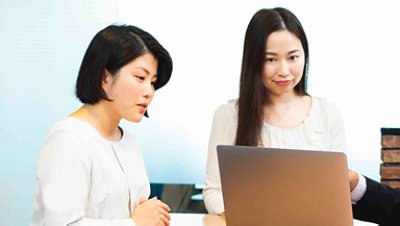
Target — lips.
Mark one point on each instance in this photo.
(143, 106)
(283, 82)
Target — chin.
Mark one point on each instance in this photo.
(135, 119)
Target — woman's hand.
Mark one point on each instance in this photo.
(151, 212)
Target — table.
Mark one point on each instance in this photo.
(194, 219)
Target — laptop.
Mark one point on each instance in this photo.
(284, 187)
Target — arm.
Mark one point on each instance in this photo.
(223, 132)
(380, 204)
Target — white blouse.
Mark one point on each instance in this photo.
(84, 179)
(321, 130)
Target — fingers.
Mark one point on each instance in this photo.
(164, 213)
(163, 210)
(151, 212)
(159, 210)
(160, 204)
(165, 219)
(164, 206)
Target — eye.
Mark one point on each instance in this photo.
(293, 57)
(139, 77)
(269, 59)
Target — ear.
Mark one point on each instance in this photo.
(106, 79)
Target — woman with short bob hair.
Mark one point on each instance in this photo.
(91, 171)
(111, 49)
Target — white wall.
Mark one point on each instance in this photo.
(354, 50)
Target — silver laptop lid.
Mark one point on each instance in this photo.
(267, 186)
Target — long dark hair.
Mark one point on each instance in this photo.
(253, 95)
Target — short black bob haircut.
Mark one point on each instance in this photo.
(111, 49)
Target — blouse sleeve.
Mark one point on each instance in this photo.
(337, 131)
(63, 184)
(223, 132)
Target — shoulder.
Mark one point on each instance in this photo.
(70, 136)
(72, 128)
(226, 114)
(67, 143)
(67, 128)
(324, 107)
(229, 108)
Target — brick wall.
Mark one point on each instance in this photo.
(390, 155)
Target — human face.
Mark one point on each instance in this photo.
(284, 62)
(131, 89)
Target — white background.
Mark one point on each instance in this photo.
(354, 50)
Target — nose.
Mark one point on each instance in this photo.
(283, 69)
(148, 90)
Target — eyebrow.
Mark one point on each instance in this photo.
(143, 69)
(290, 52)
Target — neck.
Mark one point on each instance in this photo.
(287, 111)
(282, 99)
(99, 116)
